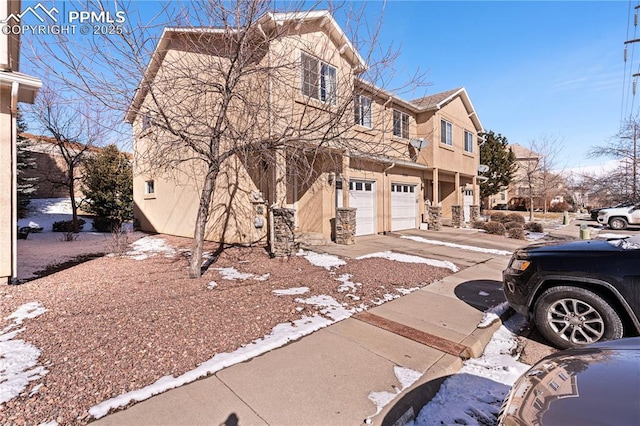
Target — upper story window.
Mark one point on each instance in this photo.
(146, 121)
(149, 187)
(446, 133)
(468, 141)
(400, 124)
(318, 79)
(362, 107)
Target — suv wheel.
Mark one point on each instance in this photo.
(618, 223)
(571, 317)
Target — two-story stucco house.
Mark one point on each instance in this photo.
(387, 157)
(14, 87)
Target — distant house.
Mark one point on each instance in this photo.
(15, 87)
(50, 167)
(426, 150)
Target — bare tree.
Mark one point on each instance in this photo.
(222, 90)
(74, 135)
(623, 147)
(549, 174)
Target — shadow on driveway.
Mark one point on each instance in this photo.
(480, 294)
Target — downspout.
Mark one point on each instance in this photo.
(14, 184)
(384, 203)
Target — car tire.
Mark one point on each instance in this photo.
(618, 223)
(570, 317)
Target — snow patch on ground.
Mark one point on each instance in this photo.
(18, 358)
(406, 258)
(606, 236)
(535, 236)
(233, 274)
(212, 285)
(291, 291)
(150, 246)
(458, 246)
(493, 314)
(43, 212)
(324, 260)
(347, 284)
(405, 376)
(280, 335)
(474, 395)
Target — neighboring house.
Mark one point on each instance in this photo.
(405, 155)
(14, 87)
(50, 168)
(516, 196)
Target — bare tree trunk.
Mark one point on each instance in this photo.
(195, 267)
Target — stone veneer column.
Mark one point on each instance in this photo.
(456, 216)
(474, 213)
(283, 243)
(435, 218)
(345, 225)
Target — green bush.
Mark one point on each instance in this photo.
(514, 217)
(106, 224)
(495, 228)
(534, 227)
(516, 233)
(67, 225)
(497, 216)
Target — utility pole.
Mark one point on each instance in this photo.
(634, 159)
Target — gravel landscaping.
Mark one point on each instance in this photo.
(116, 324)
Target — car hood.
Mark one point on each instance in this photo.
(598, 384)
(573, 246)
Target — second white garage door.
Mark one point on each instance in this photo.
(362, 197)
(403, 206)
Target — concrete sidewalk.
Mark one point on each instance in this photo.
(328, 377)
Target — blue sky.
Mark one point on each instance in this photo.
(532, 69)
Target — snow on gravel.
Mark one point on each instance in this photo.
(18, 359)
(535, 236)
(458, 246)
(233, 274)
(474, 395)
(291, 291)
(324, 260)
(150, 246)
(280, 336)
(406, 258)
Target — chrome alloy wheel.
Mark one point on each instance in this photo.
(575, 321)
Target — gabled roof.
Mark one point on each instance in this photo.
(439, 100)
(523, 153)
(266, 22)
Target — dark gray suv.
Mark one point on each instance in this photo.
(579, 292)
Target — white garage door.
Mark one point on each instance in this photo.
(403, 206)
(362, 197)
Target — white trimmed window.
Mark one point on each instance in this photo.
(318, 79)
(362, 111)
(400, 124)
(468, 141)
(446, 133)
(149, 187)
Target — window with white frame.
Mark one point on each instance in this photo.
(149, 187)
(362, 111)
(318, 79)
(446, 133)
(400, 124)
(468, 141)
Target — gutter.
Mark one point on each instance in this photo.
(384, 199)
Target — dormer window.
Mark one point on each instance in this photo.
(318, 79)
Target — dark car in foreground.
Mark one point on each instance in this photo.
(579, 292)
(593, 385)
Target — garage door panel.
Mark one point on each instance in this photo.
(362, 197)
(403, 206)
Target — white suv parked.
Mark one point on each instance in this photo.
(621, 217)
